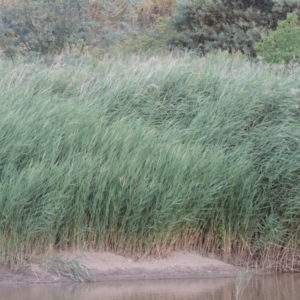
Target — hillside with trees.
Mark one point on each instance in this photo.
(204, 26)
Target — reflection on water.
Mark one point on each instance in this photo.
(275, 287)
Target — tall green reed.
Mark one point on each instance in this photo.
(148, 155)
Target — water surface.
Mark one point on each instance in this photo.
(271, 287)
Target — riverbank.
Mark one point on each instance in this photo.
(111, 267)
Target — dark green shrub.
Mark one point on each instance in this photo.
(208, 25)
(45, 27)
(283, 45)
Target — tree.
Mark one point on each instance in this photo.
(233, 25)
(282, 45)
(45, 26)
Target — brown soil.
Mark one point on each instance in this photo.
(107, 266)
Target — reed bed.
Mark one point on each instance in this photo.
(142, 156)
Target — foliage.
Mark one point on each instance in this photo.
(283, 45)
(45, 27)
(208, 25)
(150, 40)
(150, 19)
(149, 11)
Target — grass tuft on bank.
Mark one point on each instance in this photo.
(148, 155)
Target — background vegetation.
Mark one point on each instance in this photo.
(138, 148)
(282, 45)
(52, 27)
(208, 25)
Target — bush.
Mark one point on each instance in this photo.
(208, 25)
(149, 11)
(283, 45)
(45, 27)
(150, 18)
(150, 40)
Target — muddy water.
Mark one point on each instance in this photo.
(275, 287)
